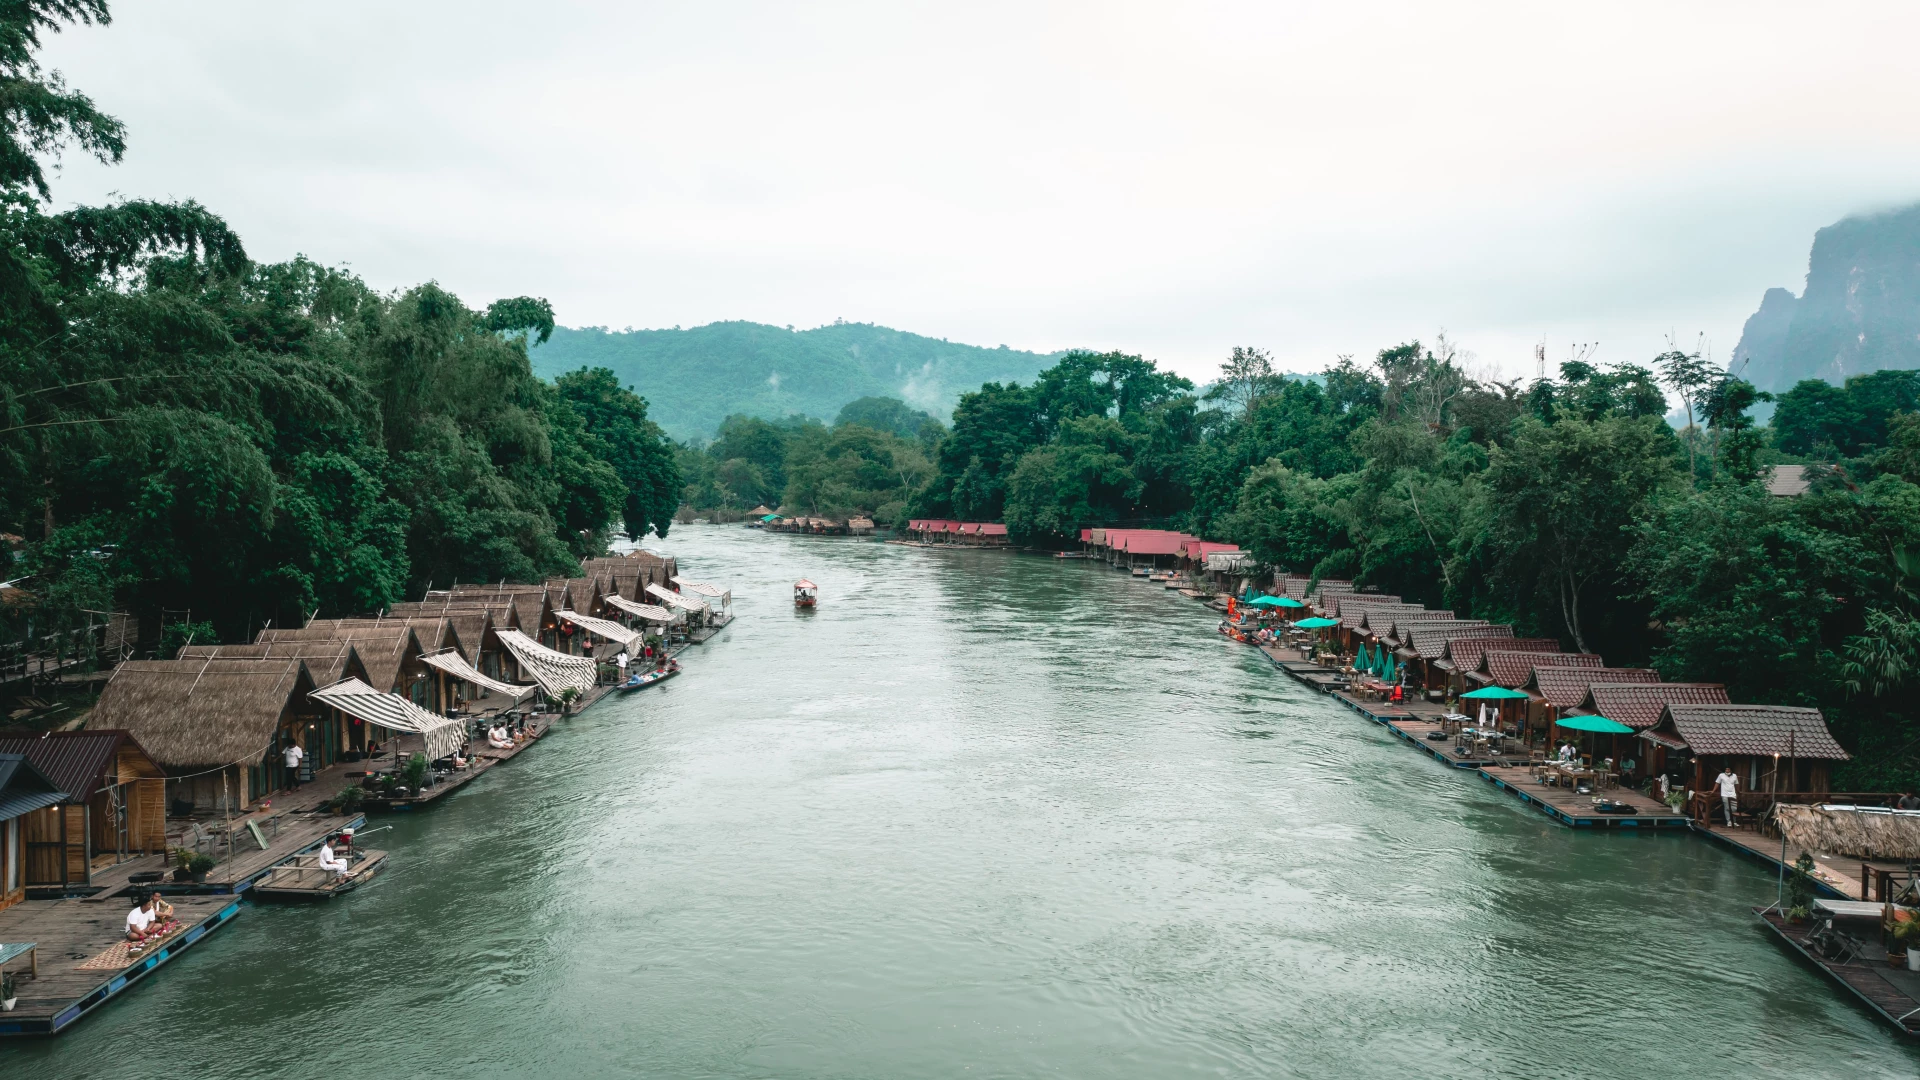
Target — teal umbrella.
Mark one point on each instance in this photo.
(1288, 601)
(1390, 672)
(1598, 724)
(1496, 693)
(1265, 601)
(1316, 623)
(1364, 661)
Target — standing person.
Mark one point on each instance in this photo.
(1909, 801)
(294, 756)
(620, 661)
(1729, 786)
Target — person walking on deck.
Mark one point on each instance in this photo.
(1729, 786)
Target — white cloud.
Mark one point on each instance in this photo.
(1172, 179)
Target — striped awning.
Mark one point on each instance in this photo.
(605, 628)
(554, 671)
(725, 596)
(443, 734)
(451, 662)
(649, 612)
(674, 599)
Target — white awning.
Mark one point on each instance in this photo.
(649, 612)
(674, 599)
(605, 628)
(725, 596)
(1228, 561)
(451, 662)
(554, 671)
(443, 734)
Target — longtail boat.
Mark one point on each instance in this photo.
(805, 594)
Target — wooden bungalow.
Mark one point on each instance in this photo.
(333, 737)
(625, 577)
(1514, 668)
(115, 805)
(859, 526)
(477, 624)
(216, 727)
(1773, 749)
(1640, 704)
(1426, 642)
(24, 791)
(668, 565)
(1464, 656)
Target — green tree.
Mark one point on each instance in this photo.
(640, 453)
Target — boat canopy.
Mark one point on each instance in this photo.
(451, 662)
(442, 734)
(606, 628)
(803, 583)
(649, 612)
(554, 671)
(674, 599)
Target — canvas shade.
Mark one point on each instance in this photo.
(649, 612)
(443, 734)
(674, 599)
(606, 628)
(1316, 623)
(725, 596)
(1599, 724)
(1498, 693)
(554, 671)
(451, 662)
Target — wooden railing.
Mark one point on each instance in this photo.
(1755, 805)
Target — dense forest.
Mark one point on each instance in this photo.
(190, 433)
(699, 376)
(1570, 507)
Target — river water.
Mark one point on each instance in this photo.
(987, 815)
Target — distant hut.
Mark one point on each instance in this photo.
(860, 526)
(115, 804)
(216, 727)
(24, 790)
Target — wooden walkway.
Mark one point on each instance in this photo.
(288, 834)
(1892, 992)
(74, 932)
(1573, 809)
(1838, 876)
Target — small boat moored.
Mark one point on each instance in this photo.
(805, 594)
(648, 678)
(302, 878)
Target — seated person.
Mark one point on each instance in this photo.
(144, 924)
(497, 738)
(330, 861)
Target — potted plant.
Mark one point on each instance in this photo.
(567, 697)
(190, 865)
(1907, 932)
(415, 773)
(9, 992)
(348, 801)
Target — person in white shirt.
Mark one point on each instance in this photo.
(1729, 786)
(293, 757)
(330, 861)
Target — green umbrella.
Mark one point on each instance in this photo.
(1264, 601)
(1594, 723)
(1364, 661)
(1316, 623)
(1390, 672)
(1496, 693)
(1288, 601)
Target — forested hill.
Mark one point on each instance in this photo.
(694, 378)
(1860, 312)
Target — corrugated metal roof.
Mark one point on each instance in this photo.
(24, 789)
(78, 762)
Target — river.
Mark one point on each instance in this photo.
(987, 815)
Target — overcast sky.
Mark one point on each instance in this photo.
(1171, 179)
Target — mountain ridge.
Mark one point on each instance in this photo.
(694, 378)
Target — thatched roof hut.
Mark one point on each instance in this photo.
(389, 653)
(201, 711)
(1856, 832)
(328, 661)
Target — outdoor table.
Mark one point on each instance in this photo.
(11, 949)
(1850, 909)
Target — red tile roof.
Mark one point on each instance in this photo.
(1751, 730)
(1464, 653)
(1638, 705)
(1086, 535)
(1566, 685)
(993, 528)
(1401, 626)
(1514, 669)
(1429, 641)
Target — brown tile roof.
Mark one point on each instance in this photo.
(1374, 616)
(1513, 668)
(1638, 705)
(1464, 653)
(1430, 640)
(1757, 730)
(1566, 685)
(1401, 625)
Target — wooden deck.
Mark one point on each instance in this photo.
(1570, 808)
(73, 932)
(301, 878)
(288, 834)
(1838, 876)
(1893, 993)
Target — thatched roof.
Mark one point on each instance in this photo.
(434, 631)
(328, 660)
(200, 711)
(628, 577)
(381, 649)
(1858, 834)
(529, 601)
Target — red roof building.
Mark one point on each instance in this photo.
(1565, 685)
